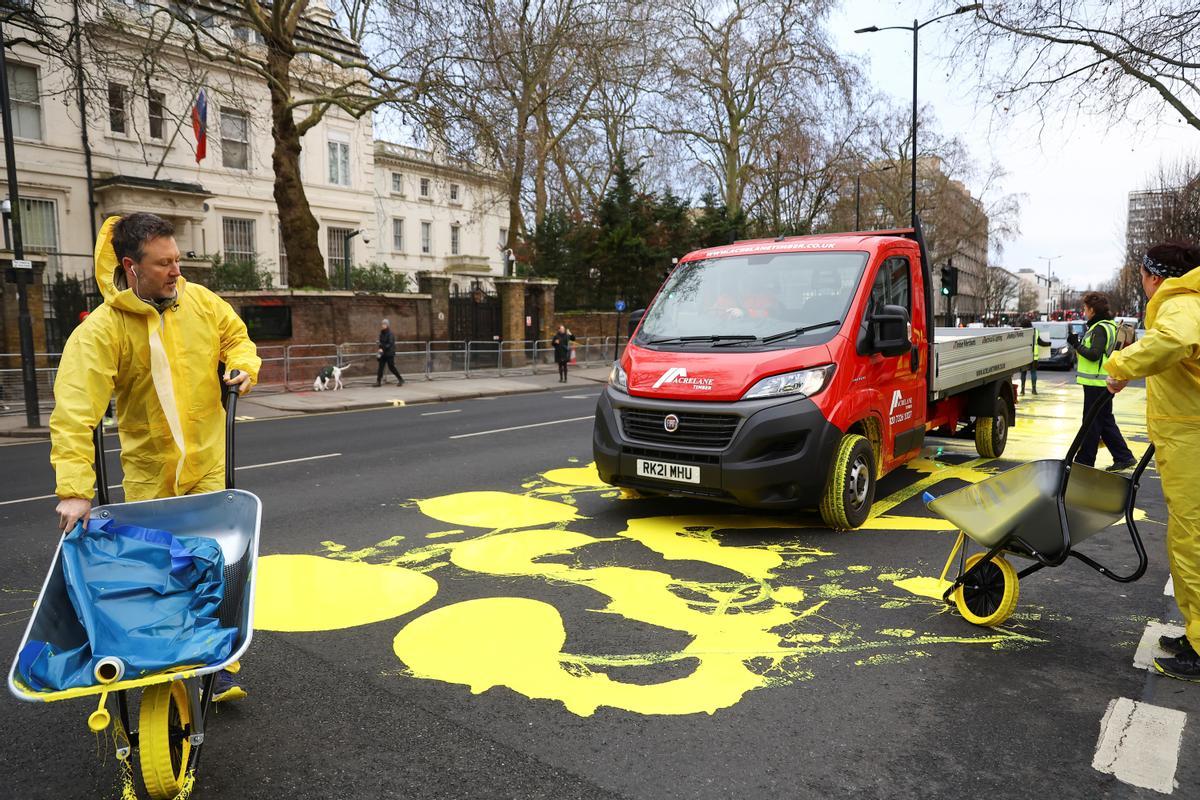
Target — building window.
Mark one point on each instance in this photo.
(454, 236)
(283, 268)
(424, 187)
(454, 191)
(116, 108)
(235, 139)
(247, 35)
(340, 251)
(426, 237)
(25, 103)
(238, 238)
(397, 183)
(155, 105)
(39, 225)
(503, 238)
(339, 162)
(398, 235)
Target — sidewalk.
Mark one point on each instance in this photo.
(358, 396)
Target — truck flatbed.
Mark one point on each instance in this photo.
(967, 357)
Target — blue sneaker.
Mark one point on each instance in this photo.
(226, 688)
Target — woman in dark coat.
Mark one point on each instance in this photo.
(562, 351)
(387, 354)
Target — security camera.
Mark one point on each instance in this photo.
(366, 239)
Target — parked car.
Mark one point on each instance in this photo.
(1059, 354)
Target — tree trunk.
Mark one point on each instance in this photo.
(297, 226)
(515, 181)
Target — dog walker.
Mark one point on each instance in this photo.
(174, 704)
(1040, 512)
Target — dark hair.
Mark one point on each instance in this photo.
(1179, 257)
(130, 235)
(1098, 302)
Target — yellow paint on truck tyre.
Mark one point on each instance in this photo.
(835, 510)
(164, 767)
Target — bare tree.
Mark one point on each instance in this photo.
(996, 288)
(1122, 58)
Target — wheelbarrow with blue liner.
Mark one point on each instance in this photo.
(1041, 512)
(174, 702)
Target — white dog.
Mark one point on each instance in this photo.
(329, 378)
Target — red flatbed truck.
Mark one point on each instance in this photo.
(794, 372)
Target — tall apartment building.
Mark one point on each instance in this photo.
(415, 209)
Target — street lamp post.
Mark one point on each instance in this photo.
(916, 28)
(21, 276)
(1049, 283)
(858, 193)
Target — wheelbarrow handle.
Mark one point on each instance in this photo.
(1089, 420)
(230, 397)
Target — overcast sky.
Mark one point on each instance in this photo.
(1076, 179)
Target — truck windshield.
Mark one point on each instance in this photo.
(741, 300)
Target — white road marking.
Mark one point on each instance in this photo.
(522, 427)
(1169, 589)
(1139, 744)
(1147, 649)
(435, 413)
(113, 450)
(580, 396)
(247, 466)
(290, 461)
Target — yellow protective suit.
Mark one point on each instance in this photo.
(1168, 357)
(163, 368)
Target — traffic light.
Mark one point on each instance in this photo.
(949, 281)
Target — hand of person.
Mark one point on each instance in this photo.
(1115, 385)
(1073, 339)
(72, 510)
(242, 381)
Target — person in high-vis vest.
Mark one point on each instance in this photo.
(1095, 347)
(156, 342)
(1038, 344)
(1168, 357)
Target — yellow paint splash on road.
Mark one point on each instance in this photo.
(496, 510)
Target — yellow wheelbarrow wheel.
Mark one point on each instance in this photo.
(989, 595)
(164, 723)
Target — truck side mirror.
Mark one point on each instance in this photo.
(889, 331)
(634, 318)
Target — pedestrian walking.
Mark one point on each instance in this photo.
(156, 341)
(1095, 347)
(387, 353)
(562, 351)
(1168, 357)
(1038, 344)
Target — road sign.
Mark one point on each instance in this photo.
(20, 263)
(620, 305)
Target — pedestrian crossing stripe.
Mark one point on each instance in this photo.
(1148, 649)
(1139, 744)
(243, 418)
(397, 403)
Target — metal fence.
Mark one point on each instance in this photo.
(295, 367)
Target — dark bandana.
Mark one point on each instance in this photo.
(1163, 270)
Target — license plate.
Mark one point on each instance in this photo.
(663, 471)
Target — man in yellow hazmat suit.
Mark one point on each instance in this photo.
(1169, 358)
(156, 341)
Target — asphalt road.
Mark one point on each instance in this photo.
(582, 644)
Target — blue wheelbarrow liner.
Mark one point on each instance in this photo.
(1040, 511)
(174, 702)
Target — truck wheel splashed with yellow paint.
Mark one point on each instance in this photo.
(733, 616)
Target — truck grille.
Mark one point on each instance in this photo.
(695, 430)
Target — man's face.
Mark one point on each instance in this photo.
(562, 328)
(154, 277)
(1150, 282)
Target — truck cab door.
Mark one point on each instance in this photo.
(898, 376)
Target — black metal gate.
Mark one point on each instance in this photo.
(66, 298)
(533, 317)
(474, 315)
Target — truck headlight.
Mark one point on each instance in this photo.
(617, 378)
(806, 382)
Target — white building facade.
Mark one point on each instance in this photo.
(144, 158)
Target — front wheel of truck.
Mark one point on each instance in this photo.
(850, 490)
(991, 433)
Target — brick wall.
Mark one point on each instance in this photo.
(591, 323)
(10, 332)
(338, 317)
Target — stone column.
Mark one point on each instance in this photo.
(545, 301)
(512, 308)
(437, 286)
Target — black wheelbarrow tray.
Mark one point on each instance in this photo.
(174, 703)
(1040, 511)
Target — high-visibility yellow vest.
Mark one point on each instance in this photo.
(1091, 373)
(1037, 346)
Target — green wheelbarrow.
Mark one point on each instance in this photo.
(1040, 512)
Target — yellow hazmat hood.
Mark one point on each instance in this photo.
(1172, 287)
(106, 266)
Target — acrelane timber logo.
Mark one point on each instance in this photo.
(678, 375)
(899, 401)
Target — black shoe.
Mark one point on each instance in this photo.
(377, 383)
(1184, 667)
(1175, 645)
(1023, 393)
(1035, 391)
(1121, 466)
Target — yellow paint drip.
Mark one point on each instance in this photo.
(923, 587)
(310, 593)
(496, 510)
(576, 476)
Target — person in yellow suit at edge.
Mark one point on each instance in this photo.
(156, 341)
(1168, 357)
